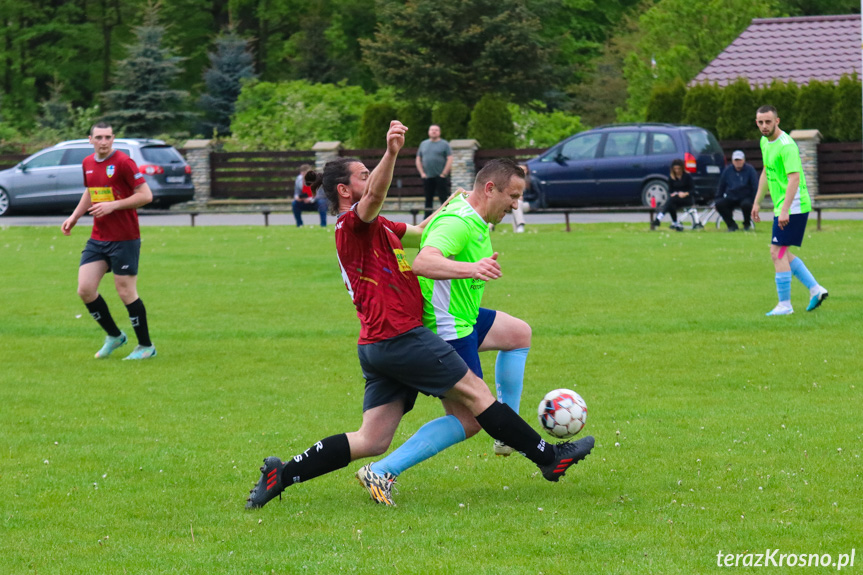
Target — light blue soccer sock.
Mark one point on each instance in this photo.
(509, 376)
(783, 286)
(431, 438)
(801, 272)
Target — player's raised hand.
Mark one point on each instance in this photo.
(487, 269)
(396, 136)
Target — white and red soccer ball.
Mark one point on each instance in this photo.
(562, 413)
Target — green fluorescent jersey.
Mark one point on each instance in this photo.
(450, 307)
(782, 157)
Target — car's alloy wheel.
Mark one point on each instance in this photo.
(4, 202)
(654, 194)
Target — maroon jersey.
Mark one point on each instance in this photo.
(378, 276)
(114, 178)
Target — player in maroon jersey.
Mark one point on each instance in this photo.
(114, 190)
(399, 357)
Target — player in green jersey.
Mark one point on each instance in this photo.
(455, 261)
(784, 180)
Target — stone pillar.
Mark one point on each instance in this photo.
(463, 167)
(324, 152)
(198, 156)
(807, 141)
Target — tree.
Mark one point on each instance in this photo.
(491, 123)
(736, 111)
(464, 50)
(666, 102)
(452, 117)
(295, 115)
(701, 105)
(678, 38)
(143, 102)
(417, 117)
(815, 106)
(783, 97)
(848, 110)
(230, 64)
(374, 124)
(540, 128)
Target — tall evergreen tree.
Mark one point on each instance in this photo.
(230, 64)
(143, 102)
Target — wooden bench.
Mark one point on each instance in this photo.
(604, 210)
(836, 202)
(263, 207)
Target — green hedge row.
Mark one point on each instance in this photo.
(836, 110)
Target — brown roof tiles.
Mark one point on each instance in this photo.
(799, 49)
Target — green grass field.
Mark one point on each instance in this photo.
(718, 429)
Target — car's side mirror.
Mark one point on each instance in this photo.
(560, 158)
(22, 166)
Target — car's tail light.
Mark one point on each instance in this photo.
(691, 164)
(151, 170)
(188, 169)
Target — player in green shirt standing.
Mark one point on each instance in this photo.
(784, 180)
(454, 263)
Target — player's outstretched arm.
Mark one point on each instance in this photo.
(381, 177)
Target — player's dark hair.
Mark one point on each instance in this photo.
(678, 162)
(335, 172)
(767, 108)
(499, 171)
(101, 126)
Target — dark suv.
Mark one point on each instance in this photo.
(623, 164)
(52, 180)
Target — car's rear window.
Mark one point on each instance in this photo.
(702, 142)
(161, 155)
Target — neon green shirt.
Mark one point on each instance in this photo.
(450, 307)
(782, 157)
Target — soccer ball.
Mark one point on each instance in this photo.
(562, 413)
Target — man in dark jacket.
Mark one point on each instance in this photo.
(737, 187)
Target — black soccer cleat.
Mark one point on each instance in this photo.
(269, 485)
(566, 455)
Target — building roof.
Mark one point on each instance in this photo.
(799, 49)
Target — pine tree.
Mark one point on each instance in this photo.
(815, 107)
(143, 103)
(230, 64)
(374, 125)
(417, 117)
(701, 105)
(452, 117)
(491, 123)
(735, 111)
(666, 102)
(848, 110)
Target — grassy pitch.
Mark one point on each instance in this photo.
(718, 429)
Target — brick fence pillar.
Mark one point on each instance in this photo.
(807, 141)
(198, 156)
(463, 171)
(324, 152)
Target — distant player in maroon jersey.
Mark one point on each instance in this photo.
(399, 357)
(114, 190)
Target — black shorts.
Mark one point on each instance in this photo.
(415, 361)
(792, 235)
(121, 257)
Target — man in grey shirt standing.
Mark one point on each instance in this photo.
(434, 161)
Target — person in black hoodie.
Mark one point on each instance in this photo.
(737, 187)
(680, 195)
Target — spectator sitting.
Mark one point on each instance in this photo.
(738, 185)
(305, 200)
(680, 195)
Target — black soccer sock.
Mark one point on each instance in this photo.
(99, 311)
(138, 317)
(503, 424)
(326, 455)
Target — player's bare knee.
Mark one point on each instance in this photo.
(87, 293)
(522, 335)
